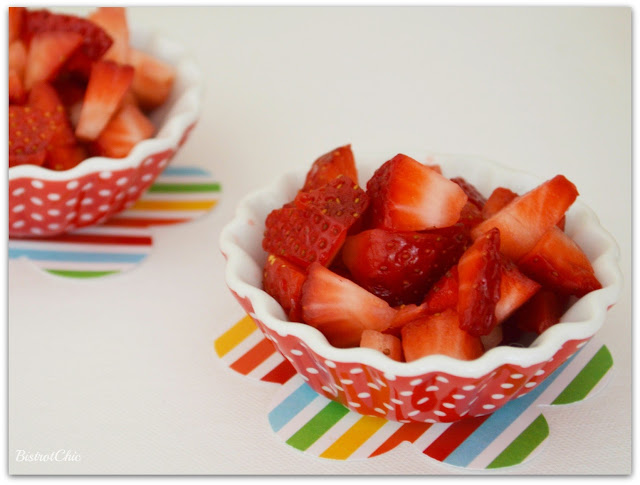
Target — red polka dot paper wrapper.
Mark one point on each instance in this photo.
(179, 194)
(321, 427)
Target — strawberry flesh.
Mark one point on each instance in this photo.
(515, 289)
(444, 293)
(474, 195)
(542, 311)
(499, 198)
(283, 281)
(30, 133)
(330, 165)
(389, 345)
(47, 54)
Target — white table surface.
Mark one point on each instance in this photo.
(122, 369)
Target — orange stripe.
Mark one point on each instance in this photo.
(254, 357)
(173, 205)
(407, 432)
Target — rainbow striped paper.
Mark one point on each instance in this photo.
(323, 428)
(179, 194)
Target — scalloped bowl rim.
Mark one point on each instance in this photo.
(269, 312)
(170, 130)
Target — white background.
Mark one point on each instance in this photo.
(122, 369)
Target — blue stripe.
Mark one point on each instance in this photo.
(498, 422)
(291, 406)
(177, 171)
(49, 255)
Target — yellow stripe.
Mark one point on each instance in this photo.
(232, 337)
(353, 438)
(174, 205)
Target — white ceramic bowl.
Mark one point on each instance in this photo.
(45, 202)
(435, 388)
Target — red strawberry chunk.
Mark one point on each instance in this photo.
(47, 53)
(302, 236)
(525, 219)
(17, 93)
(557, 262)
(29, 135)
(15, 22)
(152, 81)
(405, 314)
(399, 267)
(479, 275)
(283, 281)
(44, 97)
(470, 216)
(18, 58)
(107, 86)
(474, 195)
(341, 200)
(499, 198)
(444, 293)
(542, 311)
(65, 157)
(439, 333)
(405, 195)
(128, 127)
(327, 167)
(389, 345)
(113, 20)
(341, 309)
(515, 290)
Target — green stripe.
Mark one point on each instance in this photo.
(317, 426)
(80, 274)
(184, 188)
(523, 445)
(587, 379)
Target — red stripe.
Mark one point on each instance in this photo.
(141, 222)
(254, 357)
(453, 436)
(281, 373)
(407, 432)
(102, 239)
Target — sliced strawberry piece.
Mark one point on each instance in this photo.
(499, 198)
(479, 275)
(44, 97)
(435, 168)
(515, 290)
(71, 92)
(302, 236)
(389, 345)
(525, 219)
(542, 311)
(493, 338)
(65, 157)
(17, 93)
(557, 262)
(444, 293)
(152, 81)
(470, 216)
(29, 135)
(327, 167)
(405, 314)
(283, 281)
(341, 309)
(474, 195)
(47, 53)
(399, 267)
(18, 58)
(113, 20)
(128, 127)
(107, 86)
(15, 22)
(439, 333)
(340, 200)
(407, 196)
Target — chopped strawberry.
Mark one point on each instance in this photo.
(479, 276)
(435, 168)
(128, 127)
(18, 58)
(341, 200)
(444, 293)
(493, 338)
(65, 157)
(152, 81)
(515, 289)
(48, 51)
(327, 167)
(439, 333)
(283, 281)
(405, 314)
(389, 345)
(71, 92)
(399, 267)
(542, 311)
(15, 22)
(474, 195)
(407, 196)
(525, 219)
(17, 93)
(29, 135)
(499, 198)
(302, 236)
(470, 216)
(107, 86)
(341, 309)
(113, 20)
(44, 97)
(557, 262)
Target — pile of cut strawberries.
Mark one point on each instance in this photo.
(417, 263)
(77, 88)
